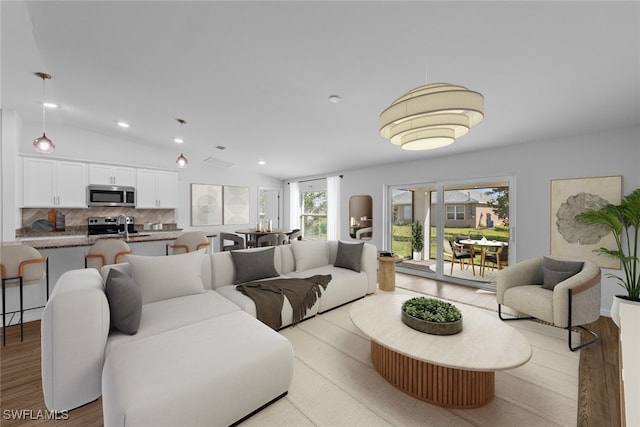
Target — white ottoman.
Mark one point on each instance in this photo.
(211, 373)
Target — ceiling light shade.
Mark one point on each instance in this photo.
(43, 144)
(431, 116)
(182, 161)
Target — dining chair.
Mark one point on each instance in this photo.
(188, 242)
(458, 253)
(238, 242)
(267, 240)
(21, 265)
(364, 233)
(296, 233)
(105, 252)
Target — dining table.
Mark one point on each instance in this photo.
(252, 234)
(484, 245)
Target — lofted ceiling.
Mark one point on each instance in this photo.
(256, 77)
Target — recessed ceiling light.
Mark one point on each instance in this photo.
(262, 162)
(123, 125)
(50, 105)
(178, 140)
(334, 99)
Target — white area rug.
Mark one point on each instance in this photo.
(335, 384)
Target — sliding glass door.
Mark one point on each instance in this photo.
(465, 224)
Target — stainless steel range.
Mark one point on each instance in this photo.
(101, 225)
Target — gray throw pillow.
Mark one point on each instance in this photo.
(349, 256)
(555, 271)
(125, 302)
(254, 265)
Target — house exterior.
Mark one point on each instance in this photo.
(467, 209)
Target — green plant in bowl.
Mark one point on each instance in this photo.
(432, 316)
(431, 309)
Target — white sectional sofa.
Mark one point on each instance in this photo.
(199, 356)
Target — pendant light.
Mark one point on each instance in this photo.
(431, 116)
(43, 144)
(181, 161)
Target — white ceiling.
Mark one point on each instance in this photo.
(255, 77)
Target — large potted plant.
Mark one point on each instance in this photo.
(417, 240)
(624, 223)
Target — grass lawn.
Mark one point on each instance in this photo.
(401, 237)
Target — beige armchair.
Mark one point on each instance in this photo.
(571, 303)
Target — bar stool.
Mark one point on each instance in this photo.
(105, 252)
(21, 265)
(188, 242)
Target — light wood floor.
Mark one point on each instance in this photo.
(21, 389)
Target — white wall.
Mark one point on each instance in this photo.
(533, 165)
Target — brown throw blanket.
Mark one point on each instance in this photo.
(268, 295)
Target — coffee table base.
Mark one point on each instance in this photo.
(442, 386)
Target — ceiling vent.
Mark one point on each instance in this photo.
(217, 162)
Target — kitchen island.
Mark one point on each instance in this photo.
(53, 240)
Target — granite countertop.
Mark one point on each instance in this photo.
(67, 241)
(77, 236)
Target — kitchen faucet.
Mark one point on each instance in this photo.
(122, 219)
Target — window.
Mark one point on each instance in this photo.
(455, 212)
(313, 219)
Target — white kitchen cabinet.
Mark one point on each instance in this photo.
(156, 189)
(112, 175)
(49, 183)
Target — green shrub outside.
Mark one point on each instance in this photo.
(401, 237)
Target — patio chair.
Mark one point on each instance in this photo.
(498, 256)
(458, 253)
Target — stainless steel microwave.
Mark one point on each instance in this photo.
(108, 195)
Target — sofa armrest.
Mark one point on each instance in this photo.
(369, 264)
(74, 330)
(527, 272)
(585, 287)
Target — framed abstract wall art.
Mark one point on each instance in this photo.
(206, 204)
(571, 238)
(236, 205)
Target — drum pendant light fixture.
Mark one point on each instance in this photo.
(431, 116)
(181, 161)
(43, 144)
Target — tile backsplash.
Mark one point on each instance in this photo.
(78, 217)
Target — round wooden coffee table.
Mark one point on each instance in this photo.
(454, 371)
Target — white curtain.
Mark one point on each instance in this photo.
(294, 205)
(333, 208)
